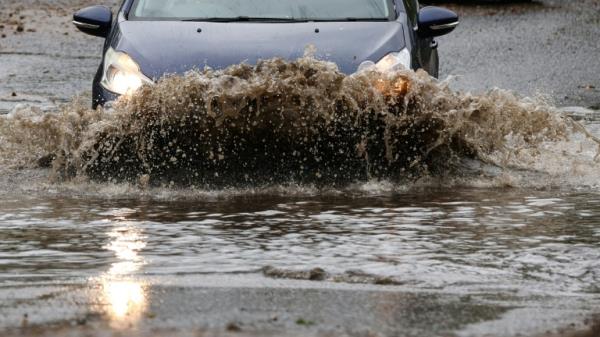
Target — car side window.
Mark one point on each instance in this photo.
(412, 10)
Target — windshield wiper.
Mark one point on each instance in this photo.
(244, 19)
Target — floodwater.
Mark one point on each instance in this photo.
(502, 249)
(544, 243)
(287, 198)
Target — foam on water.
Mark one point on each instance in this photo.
(303, 125)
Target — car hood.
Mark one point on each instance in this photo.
(162, 47)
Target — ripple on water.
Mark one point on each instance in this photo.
(450, 240)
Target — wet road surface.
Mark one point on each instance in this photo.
(540, 47)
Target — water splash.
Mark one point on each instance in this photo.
(301, 122)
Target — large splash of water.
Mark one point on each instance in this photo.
(301, 122)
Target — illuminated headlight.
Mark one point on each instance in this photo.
(121, 74)
(393, 61)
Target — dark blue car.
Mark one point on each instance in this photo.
(150, 38)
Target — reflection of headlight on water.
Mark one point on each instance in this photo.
(126, 300)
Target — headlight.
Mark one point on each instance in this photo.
(392, 60)
(121, 74)
(396, 84)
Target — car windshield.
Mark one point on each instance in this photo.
(310, 10)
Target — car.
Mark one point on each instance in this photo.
(150, 38)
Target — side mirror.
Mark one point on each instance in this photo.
(436, 21)
(95, 20)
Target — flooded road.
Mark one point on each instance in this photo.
(494, 260)
(493, 230)
(431, 239)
